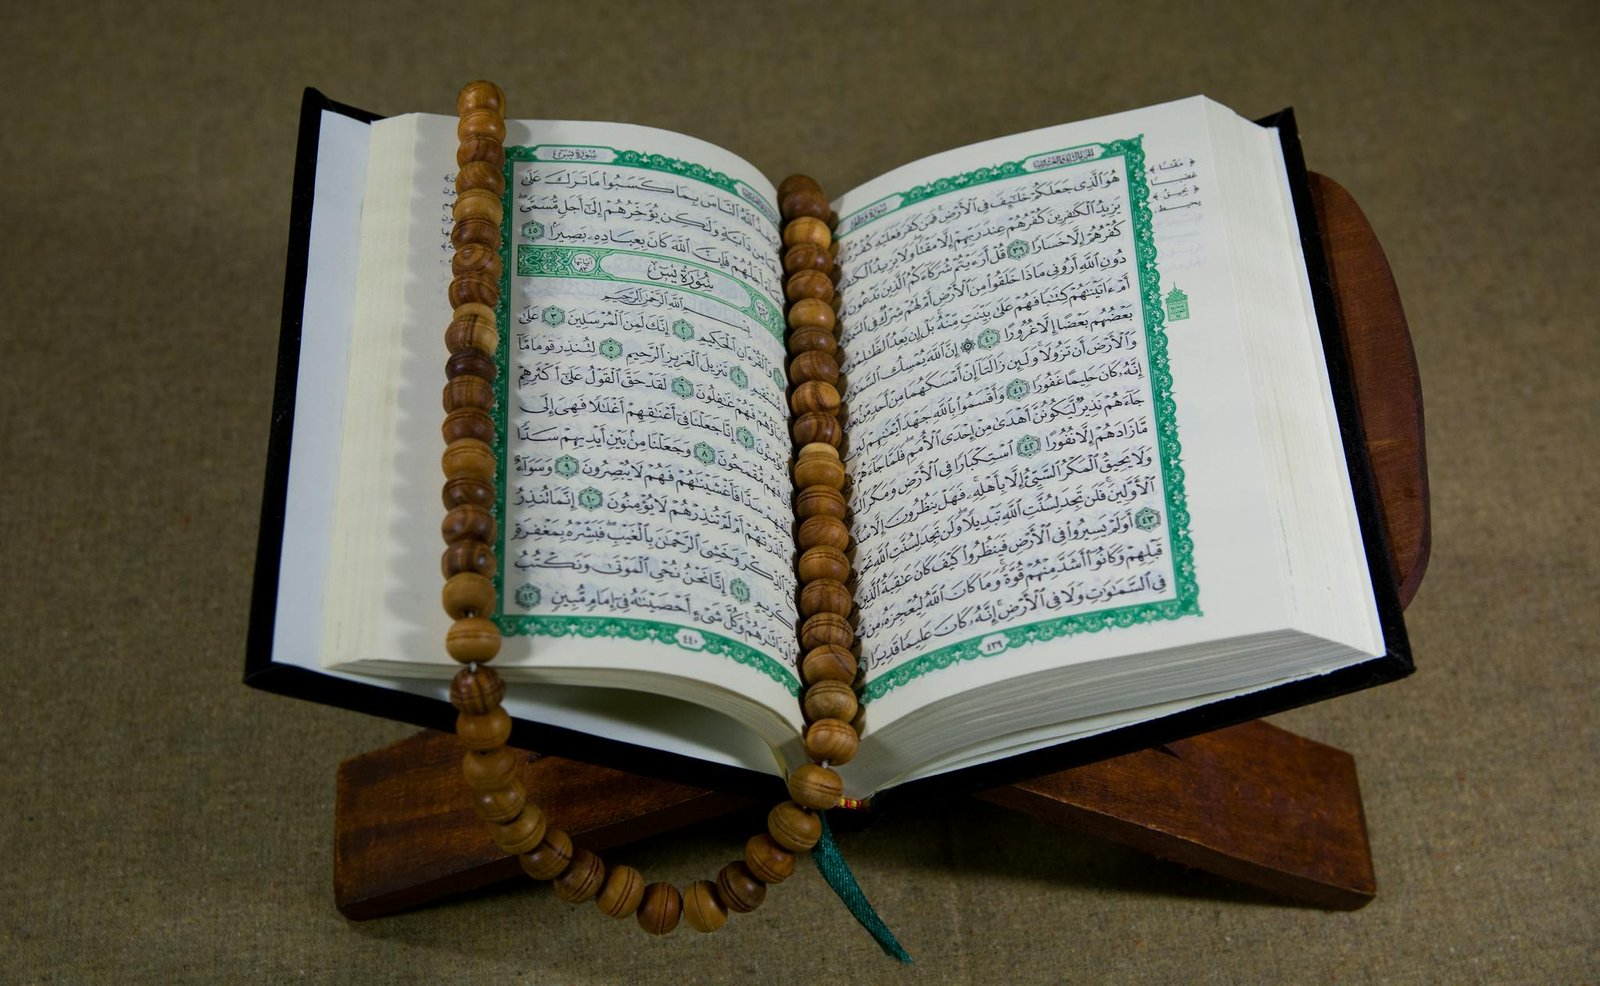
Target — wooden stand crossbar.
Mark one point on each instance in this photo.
(1253, 803)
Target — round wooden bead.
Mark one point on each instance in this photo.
(522, 833)
(481, 122)
(472, 638)
(739, 889)
(659, 911)
(468, 392)
(806, 229)
(467, 556)
(806, 256)
(468, 457)
(467, 422)
(480, 231)
(816, 470)
(480, 94)
(831, 741)
(819, 426)
(470, 522)
(501, 805)
(804, 284)
(473, 288)
(828, 531)
(702, 908)
(472, 336)
(477, 203)
(812, 313)
(814, 395)
(482, 147)
(470, 363)
(477, 691)
(828, 662)
(464, 489)
(803, 202)
(825, 596)
(475, 258)
(768, 861)
(796, 182)
(793, 827)
(820, 501)
(583, 879)
(822, 561)
(487, 770)
(483, 732)
(550, 858)
(824, 629)
(814, 365)
(815, 787)
(480, 174)
(810, 338)
(468, 594)
(830, 699)
(621, 893)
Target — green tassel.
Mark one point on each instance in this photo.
(830, 862)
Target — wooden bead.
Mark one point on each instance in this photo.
(470, 363)
(812, 337)
(820, 501)
(812, 313)
(483, 732)
(522, 833)
(480, 231)
(481, 148)
(550, 858)
(477, 203)
(702, 908)
(816, 470)
(822, 561)
(804, 284)
(831, 741)
(475, 258)
(467, 556)
(793, 827)
(473, 288)
(825, 629)
(795, 183)
(815, 787)
(480, 174)
(468, 392)
(464, 489)
(468, 457)
(481, 122)
(739, 889)
(806, 256)
(472, 335)
(468, 594)
(621, 893)
(480, 94)
(477, 691)
(768, 861)
(467, 422)
(659, 911)
(829, 662)
(806, 229)
(830, 699)
(814, 395)
(475, 311)
(487, 770)
(469, 522)
(827, 531)
(803, 202)
(581, 880)
(472, 638)
(501, 805)
(819, 426)
(825, 596)
(814, 365)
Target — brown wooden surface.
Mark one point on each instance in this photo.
(1253, 803)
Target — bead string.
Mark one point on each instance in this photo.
(829, 702)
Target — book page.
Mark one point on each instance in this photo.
(1022, 433)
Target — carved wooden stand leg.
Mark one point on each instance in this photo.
(1253, 803)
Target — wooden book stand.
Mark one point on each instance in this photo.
(1253, 802)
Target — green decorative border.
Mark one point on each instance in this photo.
(534, 260)
(651, 162)
(623, 628)
(1180, 545)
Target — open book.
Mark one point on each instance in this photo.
(1098, 483)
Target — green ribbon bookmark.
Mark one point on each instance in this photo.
(830, 862)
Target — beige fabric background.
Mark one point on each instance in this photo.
(160, 822)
